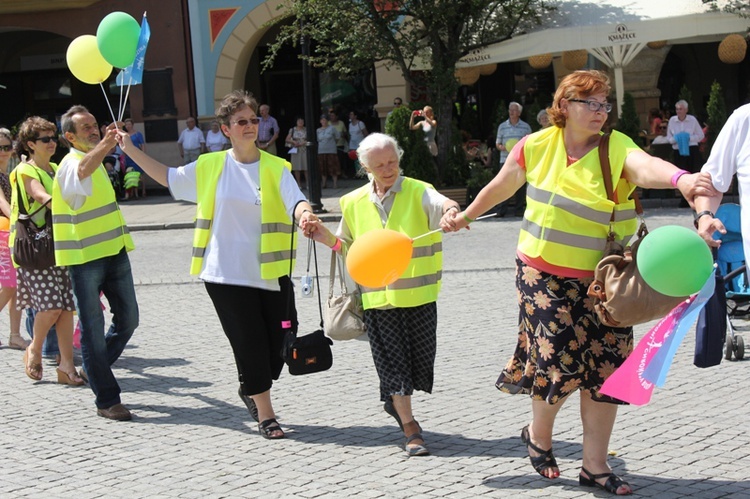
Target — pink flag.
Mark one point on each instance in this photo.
(7, 271)
(627, 382)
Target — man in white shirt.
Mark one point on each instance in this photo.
(687, 124)
(191, 142)
(730, 156)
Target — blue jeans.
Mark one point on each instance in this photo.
(112, 276)
(50, 349)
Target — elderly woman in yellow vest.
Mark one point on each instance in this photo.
(562, 347)
(401, 319)
(248, 201)
(48, 291)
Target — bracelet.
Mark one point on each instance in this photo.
(454, 207)
(468, 220)
(699, 215)
(676, 177)
(336, 246)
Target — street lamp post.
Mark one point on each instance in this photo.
(313, 178)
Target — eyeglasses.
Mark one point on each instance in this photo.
(594, 106)
(244, 123)
(46, 140)
(397, 103)
(6, 148)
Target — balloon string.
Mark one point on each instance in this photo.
(119, 109)
(111, 112)
(127, 94)
(438, 230)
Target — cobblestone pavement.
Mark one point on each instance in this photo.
(192, 437)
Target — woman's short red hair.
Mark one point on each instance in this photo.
(577, 85)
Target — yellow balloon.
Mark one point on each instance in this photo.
(510, 143)
(4, 223)
(86, 62)
(379, 257)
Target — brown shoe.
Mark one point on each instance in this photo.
(82, 374)
(118, 412)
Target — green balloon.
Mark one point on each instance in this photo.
(117, 39)
(674, 261)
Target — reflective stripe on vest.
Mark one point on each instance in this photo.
(276, 226)
(420, 282)
(568, 214)
(95, 230)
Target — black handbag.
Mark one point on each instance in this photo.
(310, 353)
(33, 247)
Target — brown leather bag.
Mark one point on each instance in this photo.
(621, 296)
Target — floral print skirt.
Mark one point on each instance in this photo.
(562, 346)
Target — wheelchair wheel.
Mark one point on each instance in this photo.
(739, 348)
(729, 344)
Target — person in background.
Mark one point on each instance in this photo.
(428, 126)
(268, 131)
(248, 203)
(509, 133)
(397, 103)
(48, 291)
(347, 166)
(685, 133)
(562, 346)
(140, 143)
(401, 319)
(8, 291)
(191, 142)
(654, 121)
(328, 161)
(357, 131)
(92, 241)
(543, 118)
(215, 139)
(296, 140)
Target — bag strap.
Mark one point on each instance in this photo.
(23, 216)
(607, 174)
(335, 262)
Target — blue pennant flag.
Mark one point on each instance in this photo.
(133, 74)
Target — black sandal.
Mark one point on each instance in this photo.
(268, 427)
(542, 462)
(612, 484)
(250, 404)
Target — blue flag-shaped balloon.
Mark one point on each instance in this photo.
(133, 74)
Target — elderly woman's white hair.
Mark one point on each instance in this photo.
(376, 142)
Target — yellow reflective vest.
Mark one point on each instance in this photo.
(276, 226)
(568, 214)
(420, 282)
(95, 230)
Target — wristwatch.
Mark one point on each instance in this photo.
(697, 216)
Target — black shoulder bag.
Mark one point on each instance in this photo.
(310, 353)
(33, 247)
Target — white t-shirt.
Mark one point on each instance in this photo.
(215, 141)
(74, 190)
(233, 252)
(731, 154)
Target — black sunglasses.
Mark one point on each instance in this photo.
(6, 148)
(244, 123)
(46, 140)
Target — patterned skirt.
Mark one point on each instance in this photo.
(403, 342)
(46, 289)
(562, 347)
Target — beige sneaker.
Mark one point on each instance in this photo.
(16, 342)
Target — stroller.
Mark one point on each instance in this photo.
(730, 258)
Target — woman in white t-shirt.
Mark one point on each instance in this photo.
(357, 131)
(250, 308)
(215, 139)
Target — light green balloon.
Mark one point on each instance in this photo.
(674, 261)
(117, 38)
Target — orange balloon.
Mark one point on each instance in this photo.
(4, 223)
(378, 257)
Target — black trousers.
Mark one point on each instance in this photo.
(251, 319)
(690, 163)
